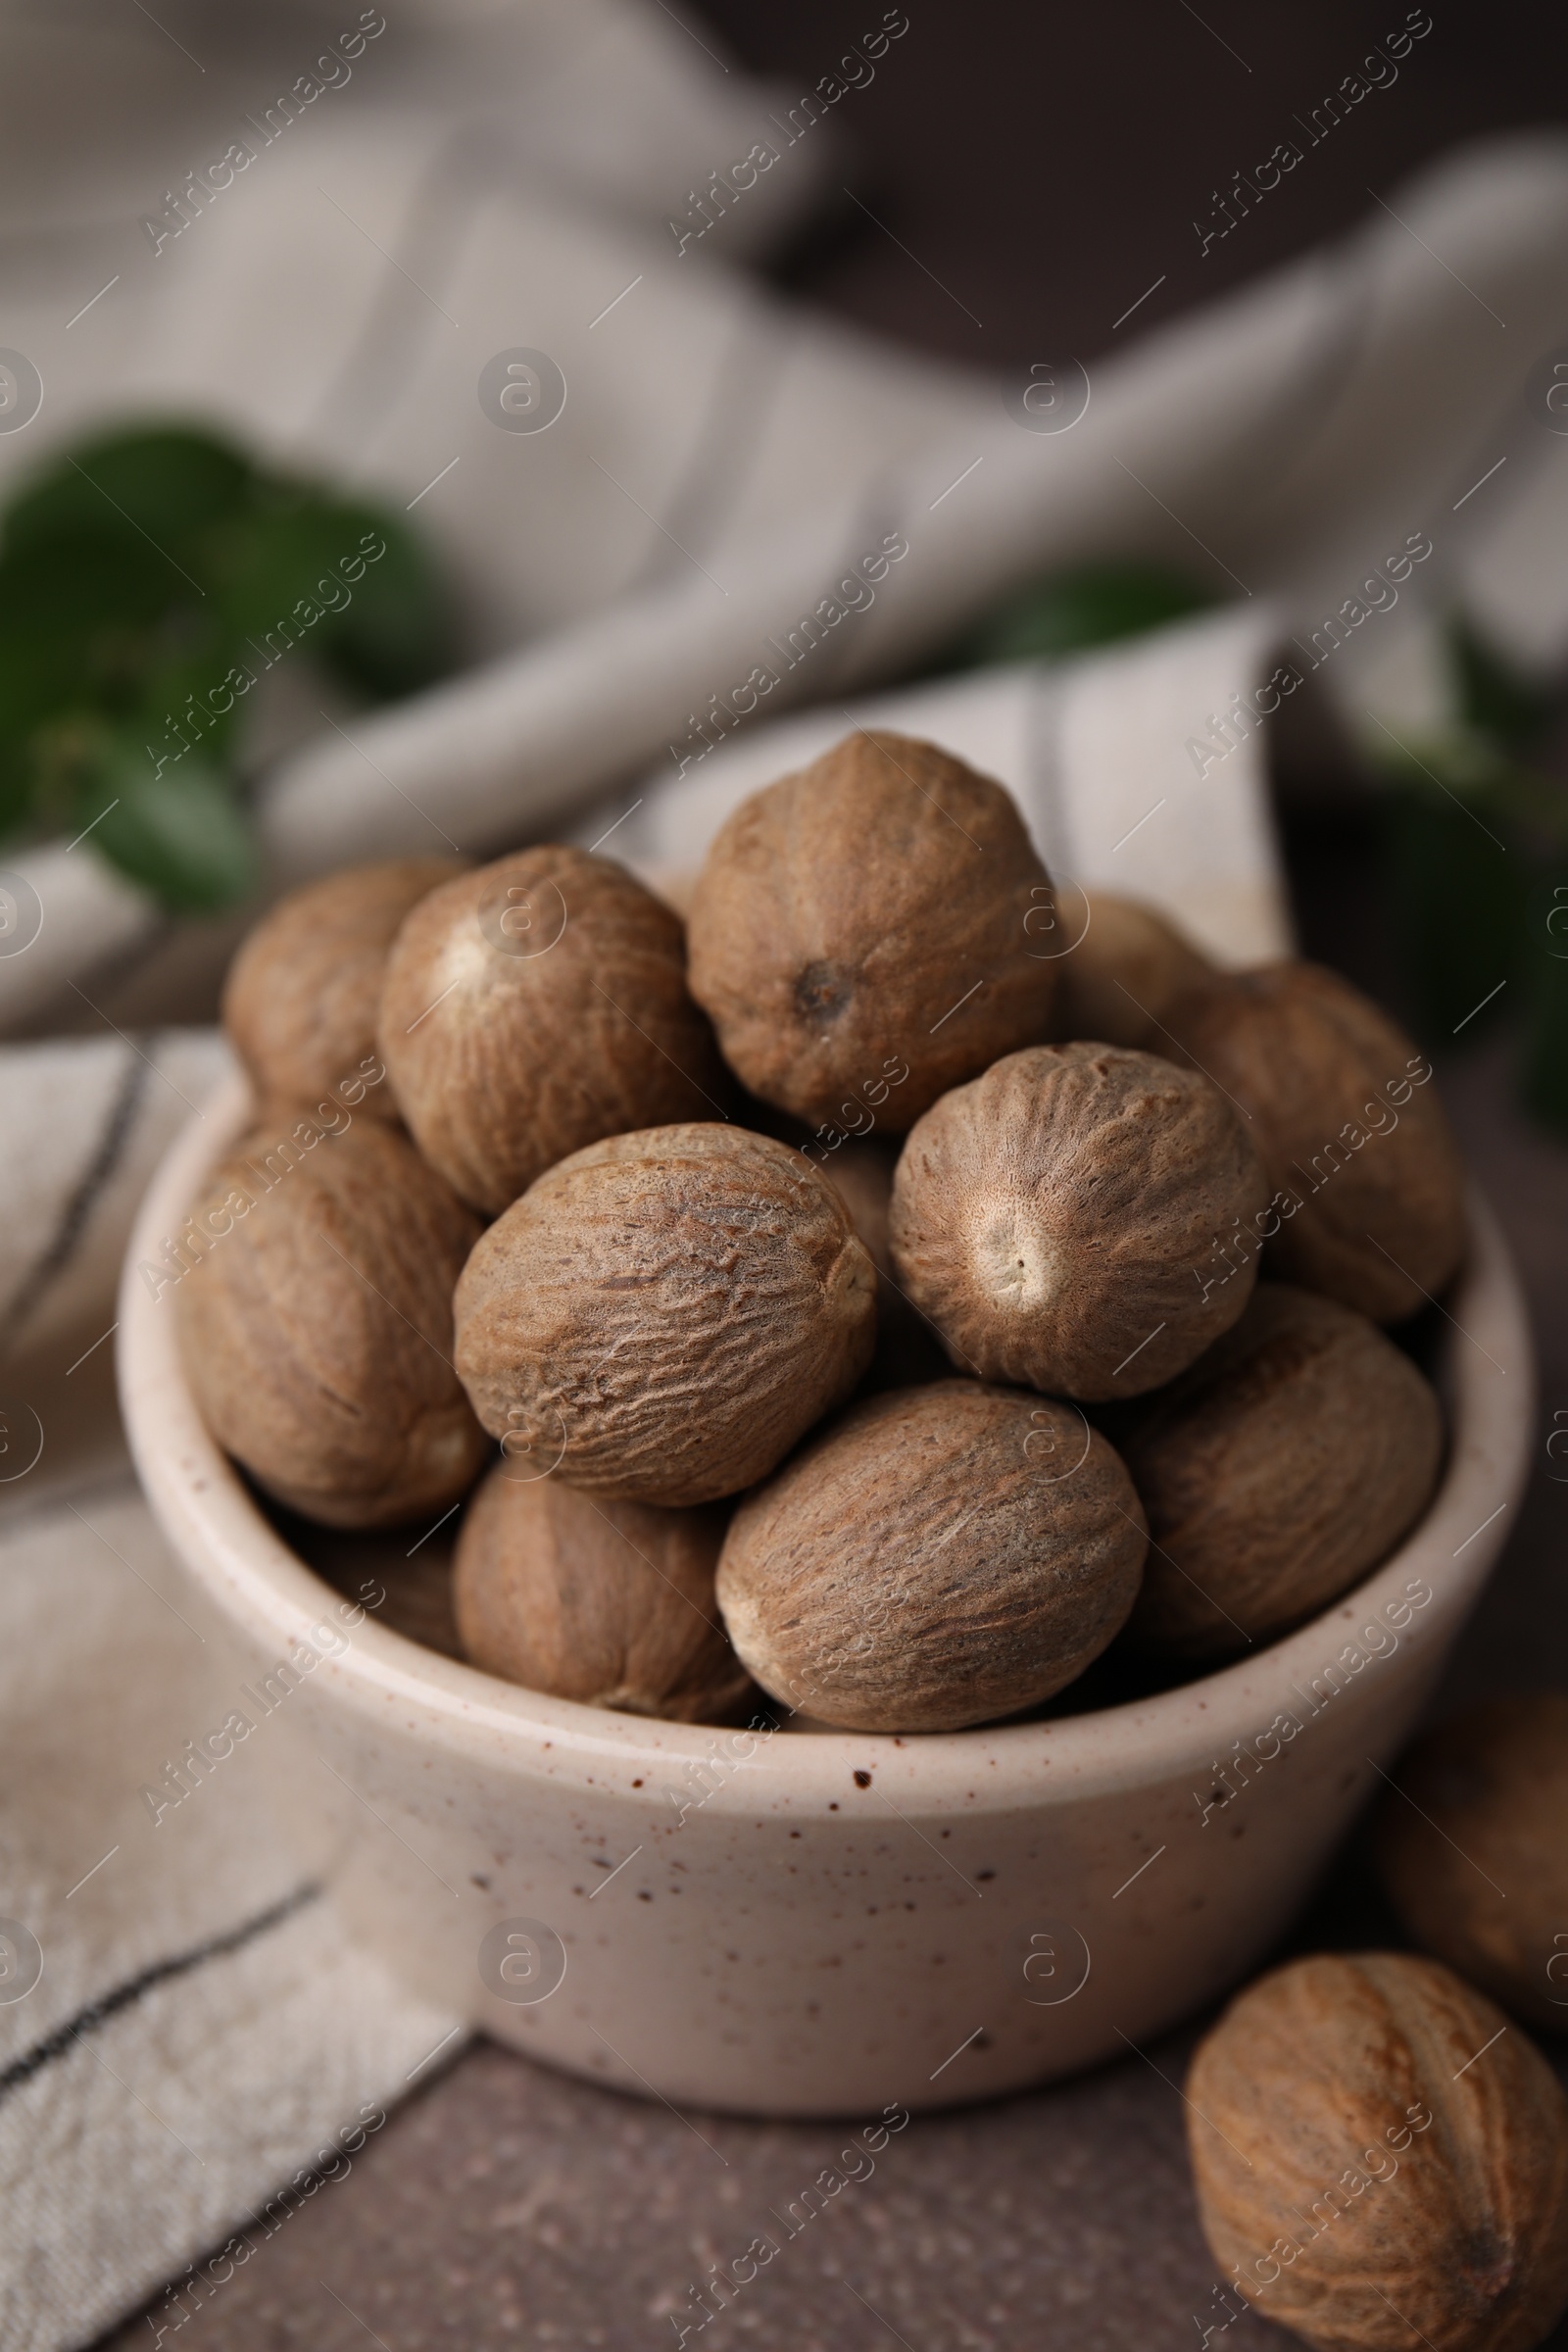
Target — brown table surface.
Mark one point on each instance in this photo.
(1044, 166)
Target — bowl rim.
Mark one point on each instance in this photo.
(1486, 1376)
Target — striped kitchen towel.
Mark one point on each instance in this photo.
(190, 2045)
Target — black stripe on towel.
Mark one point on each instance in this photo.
(97, 2013)
(83, 1198)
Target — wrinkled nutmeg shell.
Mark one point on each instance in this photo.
(1055, 1218)
(1474, 1853)
(937, 1557)
(601, 1601)
(531, 1008)
(316, 1327)
(301, 998)
(1127, 968)
(1337, 2208)
(1349, 1130)
(1276, 1472)
(663, 1314)
(860, 932)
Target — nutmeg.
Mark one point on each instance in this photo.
(860, 932)
(1381, 2160)
(663, 1314)
(1122, 966)
(1054, 1219)
(300, 997)
(937, 1557)
(1368, 1186)
(317, 1323)
(603, 1601)
(1472, 1847)
(531, 1008)
(1276, 1472)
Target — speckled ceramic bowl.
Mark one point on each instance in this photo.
(821, 1923)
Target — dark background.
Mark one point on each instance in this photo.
(1047, 163)
(1046, 167)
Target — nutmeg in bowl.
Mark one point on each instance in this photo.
(1368, 1185)
(530, 1007)
(1123, 967)
(663, 1314)
(303, 992)
(871, 912)
(935, 1557)
(607, 1603)
(316, 1319)
(1051, 1216)
(1280, 1467)
(814, 1923)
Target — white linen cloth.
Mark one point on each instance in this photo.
(484, 180)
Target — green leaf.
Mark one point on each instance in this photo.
(180, 704)
(306, 571)
(1072, 611)
(80, 618)
(1459, 876)
(75, 582)
(169, 482)
(178, 834)
(1493, 698)
(138, 574)
(16, 787)
(268, 560)
(40, 677)
(394, 637)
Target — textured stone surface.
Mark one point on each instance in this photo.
(507, 2205)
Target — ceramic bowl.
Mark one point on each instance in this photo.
(817, 1923)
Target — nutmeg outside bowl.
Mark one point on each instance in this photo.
(832, 1921)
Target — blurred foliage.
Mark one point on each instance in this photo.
(1072, 611)
(148, 578)
(1477, 833)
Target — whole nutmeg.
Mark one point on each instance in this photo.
(301, 998)
(939, 1556)
(1122, 966)
(860, 932)
(531, 1008)
(1472, 1848)
(1367, 1179)
(603, 1601)
(1052, 1218)
(317, 1323)
(663, 1314)
(1381, 2160)
(1276, 1471)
